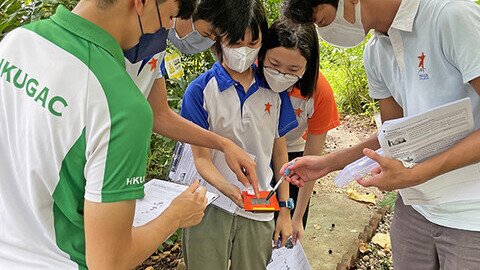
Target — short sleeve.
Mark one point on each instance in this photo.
(459, 36)
(193, 105)
(376, 87)
(325, 114)
(287, 120)
(118, 128)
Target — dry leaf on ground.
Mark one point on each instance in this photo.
(383, 240)
(364, 247)
(359, 197)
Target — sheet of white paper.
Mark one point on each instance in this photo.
(417, 138)
(158, 196)
(289, 259)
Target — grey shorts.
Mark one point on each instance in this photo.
(420, 244)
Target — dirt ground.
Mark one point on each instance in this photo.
(335, 220)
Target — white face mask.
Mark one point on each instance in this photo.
(192, 43)
(340, 32)
(239, 59)
(278, 81)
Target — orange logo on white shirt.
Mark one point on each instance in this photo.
(298, 112)
(268, 106)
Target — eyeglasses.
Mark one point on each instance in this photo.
(287, 76)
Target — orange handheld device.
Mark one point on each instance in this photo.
(253, 204)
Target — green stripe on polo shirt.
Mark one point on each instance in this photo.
(68, 204)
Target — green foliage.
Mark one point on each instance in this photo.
(14, 13)
(389, 200)
(345, 72)
(272, 7)
(174, 238)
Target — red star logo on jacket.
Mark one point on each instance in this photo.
(153, 64)
(268, 106)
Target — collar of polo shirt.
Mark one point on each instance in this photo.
(89, 31)
(225, 81)
(405, 16)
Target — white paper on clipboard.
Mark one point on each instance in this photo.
(159, 194)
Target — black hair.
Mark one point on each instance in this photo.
(288, 34)
(185, 8)
(231, 18)
(256, 22)
(301, 11)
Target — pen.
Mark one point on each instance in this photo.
(287, 172)
(279, 242)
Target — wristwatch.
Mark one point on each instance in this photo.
(290, 204)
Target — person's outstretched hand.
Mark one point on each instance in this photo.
(242, 165)
(306, 168)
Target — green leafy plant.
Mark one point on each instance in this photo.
(389, 200)
(14, 13)
(345, 72)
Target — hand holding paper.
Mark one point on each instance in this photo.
(190, 205)
(186, 204)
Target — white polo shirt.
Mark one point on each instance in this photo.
(252, 119)
(145, 73)
(73, 127)
(431, 53)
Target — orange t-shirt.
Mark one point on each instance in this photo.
(315, 115)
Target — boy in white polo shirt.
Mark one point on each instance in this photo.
(424, 53)
(232, 100)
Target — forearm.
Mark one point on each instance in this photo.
(171, 125)
(112, 243)
(304, 194)
(314, 146)
(208, 170)
(344, 157)
(280, 157)
(460, 155)
(146, 239)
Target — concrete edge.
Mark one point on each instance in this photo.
(351, 256)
